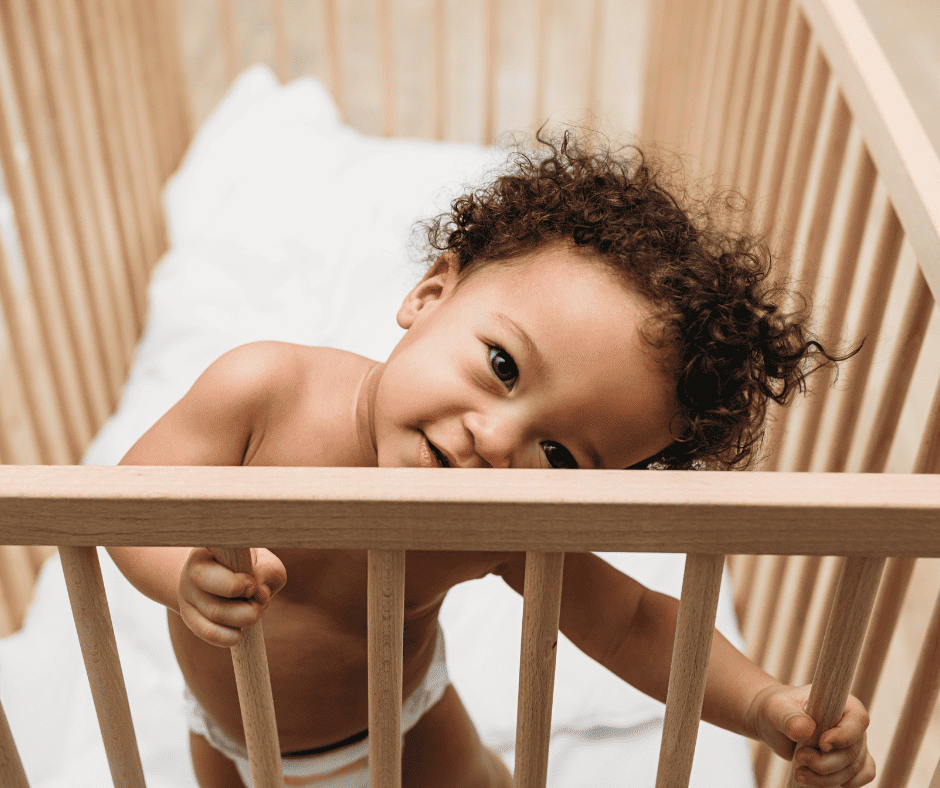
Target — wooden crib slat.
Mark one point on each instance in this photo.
(124, 255)
(918, 706)
(114, 329)
(770, 42)
(884, 619)
(872, 315)
(767, 594)
(23, 438)
(102, 663)
(798, 613)
(67, 267)
(695, 630)
(772, 129)
(254, 688)
(832, 330)
(750, 15)
(730, 16)
(541, 611)
(386, 620)
(140, 144)
(783, 207)
(12, 774)
(743, 583)
(139, 245)
(845, 631)
(22, 185)
(174, 79)
(916, 316)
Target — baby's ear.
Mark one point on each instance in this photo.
(436, 283)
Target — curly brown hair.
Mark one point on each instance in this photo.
(722, 328)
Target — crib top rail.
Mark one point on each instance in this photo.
(479, 509)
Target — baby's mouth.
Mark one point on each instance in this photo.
(445, 463)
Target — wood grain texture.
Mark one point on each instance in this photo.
(254, 688)
(12, 774)
(540, 616)
(695, 630)
(386, 621)
(848, 618)
(102, 664)
(476, 509)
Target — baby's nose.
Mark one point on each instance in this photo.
(496, 440)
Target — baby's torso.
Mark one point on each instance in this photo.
(315, 627)
(315, 633)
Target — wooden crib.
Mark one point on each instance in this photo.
(790, 100)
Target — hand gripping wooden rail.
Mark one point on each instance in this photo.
(866, 517)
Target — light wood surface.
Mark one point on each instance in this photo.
(386, 620)
(102, 664)
(12, 774)
(541, 611)
(254, 688)
(695, 630)
(488, 509)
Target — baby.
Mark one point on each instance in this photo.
(573, 316)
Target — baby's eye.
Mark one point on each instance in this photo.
(558, 456)
(503, 366)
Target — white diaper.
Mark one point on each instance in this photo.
(345, 767)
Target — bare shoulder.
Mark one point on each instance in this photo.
(228, 408)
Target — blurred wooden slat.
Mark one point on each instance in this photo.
(897, 577)
(888, 249)
(916, 315)
(541, 611)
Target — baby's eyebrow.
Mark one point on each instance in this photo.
(531, 351)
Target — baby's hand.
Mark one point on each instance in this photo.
(842, 758)
(217, 603)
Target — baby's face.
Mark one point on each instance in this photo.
(533, 364)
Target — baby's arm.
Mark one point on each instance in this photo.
(216, 423)
(631, 630)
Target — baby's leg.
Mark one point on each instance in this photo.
(212, 768)
(443, 748)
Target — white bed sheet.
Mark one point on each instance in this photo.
(287, 225)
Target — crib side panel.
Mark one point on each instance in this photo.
(843, 180)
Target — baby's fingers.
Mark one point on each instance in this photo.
(848, 768)
(214, 578)
(218, 620)
(851, 727)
